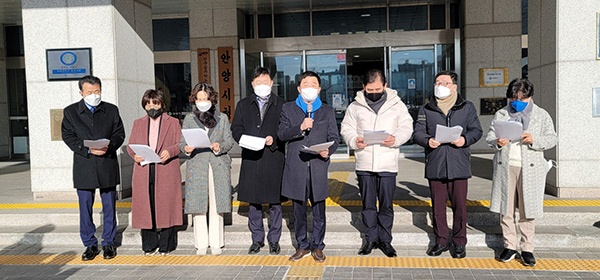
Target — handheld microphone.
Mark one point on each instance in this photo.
(309, 113)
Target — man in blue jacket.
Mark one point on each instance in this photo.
(448, 165)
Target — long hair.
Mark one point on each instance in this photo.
(206, 118)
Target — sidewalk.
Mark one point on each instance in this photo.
(46, 244)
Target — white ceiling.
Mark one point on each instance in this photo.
(10, 10)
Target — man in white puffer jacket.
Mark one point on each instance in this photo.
(377, 108)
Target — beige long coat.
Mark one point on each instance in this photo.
(533, 164)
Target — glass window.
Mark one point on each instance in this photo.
(249, 26)
(264, 26)
(349, 21)
(14, 41)
(252, 61)
(437, 17)
(284, 69)
(175, 81)
(454, 16)
(408, 18)
(171, 34)
(17, 92)
(292, 24)
(445, 59)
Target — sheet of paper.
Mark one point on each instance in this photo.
(146, 152)
(252, 142)
(196, 137)
(444, 134)
(317, 148)
(96, 144)
(508, 129)
(374, 136)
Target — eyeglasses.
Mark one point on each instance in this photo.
(443, 83)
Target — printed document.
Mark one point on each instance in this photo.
(196, 137)
(317, 148)
(374, 136)
(508, 130)
(252, 142)
(444, 134)
(96, 144)
(146, 152)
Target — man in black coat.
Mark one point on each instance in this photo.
(94, 168)
(448, 165)
(260, 174)
(306, 122)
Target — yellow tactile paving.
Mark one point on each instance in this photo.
(306, 267)
(305, 272)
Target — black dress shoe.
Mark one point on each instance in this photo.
(437, 250)
(387, 249)
(90, 253)
(274, 248)
(459, 252)
(109, 251)
(255, 247)
(527, 258)
(367, 247)
(507, 255)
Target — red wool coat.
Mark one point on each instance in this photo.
(167, 177)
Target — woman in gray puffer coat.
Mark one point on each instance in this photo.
(520, 169)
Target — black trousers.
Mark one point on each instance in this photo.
(301, 225)
(165, 239)
(377, 186)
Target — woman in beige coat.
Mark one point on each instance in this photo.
(520, 169)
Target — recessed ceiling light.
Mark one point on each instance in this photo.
(365, 15)
(357, 55)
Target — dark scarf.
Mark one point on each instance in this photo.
(376, 105)
(523, 116)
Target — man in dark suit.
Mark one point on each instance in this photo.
(261, 171)
(306, 122)
(94, 168)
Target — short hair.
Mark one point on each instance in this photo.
(213, 95)
(372, 75)
(452, 75)
(156, 95)
(308, 74)
(259, 71)
(93, 80)
(519, 85)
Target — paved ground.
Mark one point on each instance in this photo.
(23, 261)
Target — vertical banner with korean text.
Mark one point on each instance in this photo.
(226, 98)
(203, 65)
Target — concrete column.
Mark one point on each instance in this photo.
(491, 39)
(119, 32)
(563, 66)
(4, 109)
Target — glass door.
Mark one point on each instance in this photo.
(412, 75)
(284, 67)
(331, 67)
(19, 130)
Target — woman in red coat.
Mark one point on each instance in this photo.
(156, 187)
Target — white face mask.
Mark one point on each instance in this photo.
(262, 90)
(309, 94)
(92, 99)
(203, 106)
(442, 92)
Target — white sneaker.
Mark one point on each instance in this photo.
(151, 253)
(201, 252)
(215, 251)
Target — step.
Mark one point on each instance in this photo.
(477, 216)
(336, 235)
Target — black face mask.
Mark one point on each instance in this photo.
(153, 113)
(374, 96)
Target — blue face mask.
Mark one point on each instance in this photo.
(518, 105)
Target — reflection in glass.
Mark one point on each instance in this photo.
(331, 68)
(171, 34)
(408, 18)
(284, 70)
(174, 80)
(349, 21)
(412, 76)
(292, 24)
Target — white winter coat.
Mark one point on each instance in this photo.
(393, 117)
